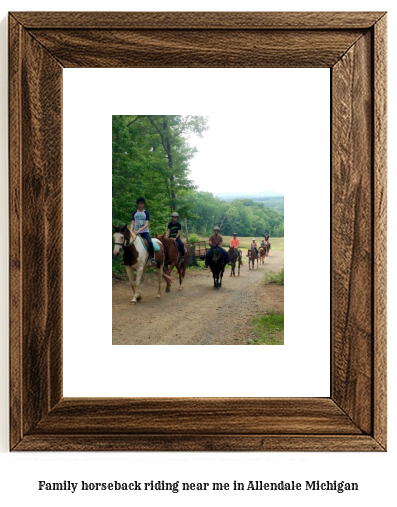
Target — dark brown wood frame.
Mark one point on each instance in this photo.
(353, 46)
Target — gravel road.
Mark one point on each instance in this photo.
(188, 317)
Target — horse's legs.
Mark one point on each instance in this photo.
(172, 265)
(168, 271)
(138, 293)
(160, 272)
(221, 276)
(181, 273)
(239, 264)
(131, 278)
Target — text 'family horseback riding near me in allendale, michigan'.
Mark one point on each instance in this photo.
(339, 486)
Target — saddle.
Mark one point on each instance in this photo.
(145, 244)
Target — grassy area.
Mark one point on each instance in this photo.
(269, 329)
(277, 278)
(200, 266)
(245, 242)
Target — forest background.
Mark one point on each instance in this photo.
(150, 158)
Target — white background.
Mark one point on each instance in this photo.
(20, 473)
(292, 105)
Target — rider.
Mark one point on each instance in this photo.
(267, 239)
(234, 242)
(174, 232)
(254, 246)
(217, 240)
(140, 225)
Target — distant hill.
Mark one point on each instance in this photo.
(276, 203)
(256, 196)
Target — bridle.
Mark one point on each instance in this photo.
(125, 241)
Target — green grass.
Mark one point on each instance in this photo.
(269, 329)
(277, 278)
(200, 266)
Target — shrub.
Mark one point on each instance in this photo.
(193, 238)
(277, 278)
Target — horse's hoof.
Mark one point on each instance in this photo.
(158, 296)
(168, 289)
(133, 301)
(139, 297)
(180, 288)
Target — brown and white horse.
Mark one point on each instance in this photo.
(252, 257)
(136, 257)
(262, 254)
(172, 259)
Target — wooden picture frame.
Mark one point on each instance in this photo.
(353, 46)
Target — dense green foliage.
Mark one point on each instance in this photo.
(150, 158)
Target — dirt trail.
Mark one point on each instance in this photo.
(188, 317)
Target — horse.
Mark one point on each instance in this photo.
(234, 257)
(172, 259)
(252, 257)
(136, 257)
(262, 254)
(217, 263)
(267, 245)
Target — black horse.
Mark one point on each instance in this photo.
(217, 264)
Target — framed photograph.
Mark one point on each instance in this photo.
(353, 46)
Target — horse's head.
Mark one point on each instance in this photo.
(121, 238)
(216, 254)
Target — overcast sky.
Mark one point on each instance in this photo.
(238, 154)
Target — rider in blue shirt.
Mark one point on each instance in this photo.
(140, 225)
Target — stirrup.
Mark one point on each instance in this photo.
(153, 261)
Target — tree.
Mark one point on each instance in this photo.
(150, 158)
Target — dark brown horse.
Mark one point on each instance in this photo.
(252, 257)
(173, 259)
(235, 257)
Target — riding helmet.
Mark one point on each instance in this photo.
(174, 214)
(216, 228)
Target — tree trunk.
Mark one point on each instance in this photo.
(174, 206)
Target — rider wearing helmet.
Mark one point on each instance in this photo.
(140, 225)
(174, 232)
(217, 240)
(234, 242)
(254, 246)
